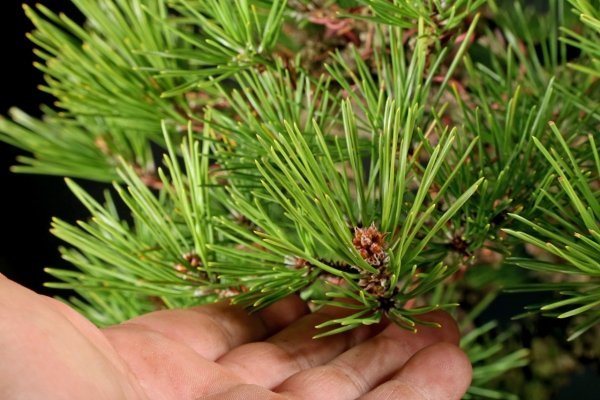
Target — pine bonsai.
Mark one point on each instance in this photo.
(391, 157)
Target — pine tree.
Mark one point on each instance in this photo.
(391, 157)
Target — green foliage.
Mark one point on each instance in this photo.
(234, 36)
(140, 257)
(490, 360)
(569, 203)
(589, 42)
(109, 107)
(440, 17)
(364, 154)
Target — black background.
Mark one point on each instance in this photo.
(28, 202)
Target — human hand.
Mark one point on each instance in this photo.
(218, 351)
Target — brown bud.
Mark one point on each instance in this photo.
(370, 244)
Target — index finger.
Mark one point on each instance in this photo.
(212, 330)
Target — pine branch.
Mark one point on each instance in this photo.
(363, 154)
(589, 43)
(570, 231)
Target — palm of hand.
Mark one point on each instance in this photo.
(219, 352)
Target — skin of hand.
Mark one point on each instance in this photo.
(48, 351)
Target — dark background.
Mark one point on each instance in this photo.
(28, 202)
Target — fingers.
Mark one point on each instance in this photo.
(441, 372)
(365, 366)
(246, 392)
(164, 368)
(44, 345)
(214, 329)
(292, 350)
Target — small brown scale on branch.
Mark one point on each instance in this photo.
(460, 245)
(193, 259)
(149, 178)
(228, 293)
(147, 175)
(158, 303)
(371, 246)
(190, 268)
(298, 263)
